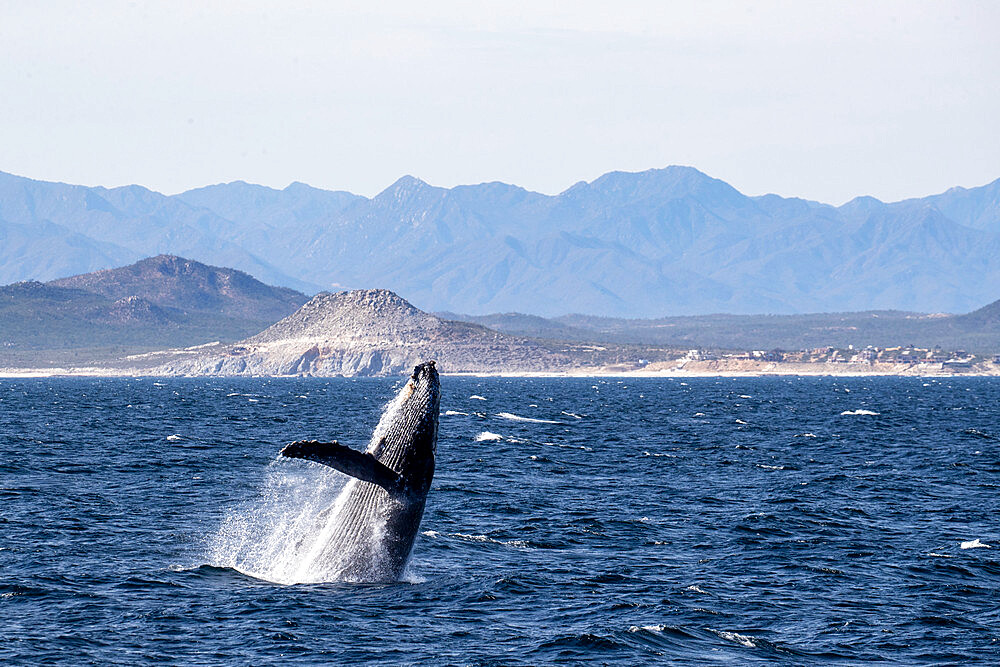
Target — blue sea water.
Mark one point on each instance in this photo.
(748, 520)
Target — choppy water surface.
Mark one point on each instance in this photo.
(741, 520)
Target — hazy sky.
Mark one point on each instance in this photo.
(825, 100)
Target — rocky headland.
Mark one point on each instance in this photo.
(370, 333)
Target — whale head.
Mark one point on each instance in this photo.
(405, 439)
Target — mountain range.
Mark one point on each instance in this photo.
(663, 242)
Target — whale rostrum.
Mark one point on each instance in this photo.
(375, 519)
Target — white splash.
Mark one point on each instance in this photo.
(859, 412)
(476, 397)
(486, 435)
(284, 534)
(174, 438)
(280, 535)
(452, 413)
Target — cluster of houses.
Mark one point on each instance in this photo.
(871, 354)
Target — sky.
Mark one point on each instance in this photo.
(822, 100)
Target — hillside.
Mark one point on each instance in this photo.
(156, 303)
(664, 242)
(175, 282)
(978, 331)
(375, 332)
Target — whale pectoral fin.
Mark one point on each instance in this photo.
(348, 461)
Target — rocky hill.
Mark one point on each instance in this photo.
(163, 301)
(374, 332)
(189, 286)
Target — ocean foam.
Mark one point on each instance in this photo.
(859, 412)
(476, 397)
(516, 418)
(517, 544)
(742, 640)
(450, 413)
(486, 436)
(975, 544)
(647, 628)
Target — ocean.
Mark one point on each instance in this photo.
(610, 521)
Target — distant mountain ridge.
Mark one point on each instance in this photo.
(658, 243)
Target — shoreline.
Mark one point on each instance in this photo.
(685, 369)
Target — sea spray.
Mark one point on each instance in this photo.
(299, 529)
(275, 536)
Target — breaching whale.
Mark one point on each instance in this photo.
(378, 513)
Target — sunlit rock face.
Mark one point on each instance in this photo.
(367, 332)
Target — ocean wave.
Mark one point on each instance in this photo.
(517, 544)
(975, 544)
(476, 397)
(859, 412)
(486, 436)
(517, 418)
(742, 640)
(450, 413)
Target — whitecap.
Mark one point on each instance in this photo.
(740, 421)
(859, 412)
(486, 435)
(430, 533)
(449, 413)
(520, 544)
(806, 435)
(570, 414)
(696, 589)
(647, 628)
(742, 640)
(516, 418)
(475, 397)
(174, 438)
(699, 414)
(767, 467)
(975, 544)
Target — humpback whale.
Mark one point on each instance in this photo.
(374, 522)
